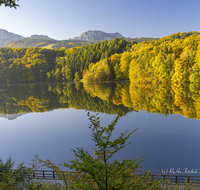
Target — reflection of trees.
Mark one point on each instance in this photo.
(110, 98)
(166, 99)
(28, 98)
(41, 98)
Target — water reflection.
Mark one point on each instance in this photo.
(17, 99)
(52, 121)
(110, 98)
(166, 99)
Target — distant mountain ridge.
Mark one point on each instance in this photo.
(40, 36)
(86, 38)
(6, 38)
(93, 35)
(9, 37)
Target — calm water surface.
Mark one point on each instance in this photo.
(50, 120)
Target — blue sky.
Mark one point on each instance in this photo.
(63, 19)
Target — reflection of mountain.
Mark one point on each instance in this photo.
(11, 117)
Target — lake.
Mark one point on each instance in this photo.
(51, 119)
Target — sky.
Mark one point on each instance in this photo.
(63, 19)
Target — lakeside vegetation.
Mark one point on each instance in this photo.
(18, 65)
(173, 58)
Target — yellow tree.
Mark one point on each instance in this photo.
(124, 63)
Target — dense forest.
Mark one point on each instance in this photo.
(40, 64)
(27, 65)
(175, 58)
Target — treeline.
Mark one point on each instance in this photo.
(175, 58)
(27, 65)
(39, 64)
(79, 59)
(141, 39)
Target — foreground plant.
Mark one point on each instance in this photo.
(100, 172)
(13, 179)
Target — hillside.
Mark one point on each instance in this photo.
(8, 37)
(54, 44)
(31, 42)
(47, 43)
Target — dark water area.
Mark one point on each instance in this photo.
(51, 119)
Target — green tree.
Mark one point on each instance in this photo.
(13, 179)
(9, 3)
(100, 171)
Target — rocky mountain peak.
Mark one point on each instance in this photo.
(40, 36)
(97, 35)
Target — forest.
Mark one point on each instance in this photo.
(21, 65)
(174, 58)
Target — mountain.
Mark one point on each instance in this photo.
(40, 36)
(85, 38)
(92, 35)
(8, 37)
